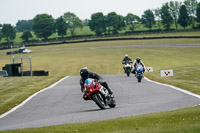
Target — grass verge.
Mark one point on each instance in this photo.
(179, 121)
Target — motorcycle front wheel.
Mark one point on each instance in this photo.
(99, 100)
(139, 78)
(128, 72)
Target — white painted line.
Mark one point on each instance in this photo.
(29, 98)
(176, 88)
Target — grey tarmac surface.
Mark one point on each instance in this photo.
(64, 104)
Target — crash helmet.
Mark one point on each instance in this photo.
(84, 72)
(138, 59)
(126, 55)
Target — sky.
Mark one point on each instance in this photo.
(13, 10)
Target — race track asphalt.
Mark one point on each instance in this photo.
(63, 103)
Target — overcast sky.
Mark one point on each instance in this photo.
(13, 10)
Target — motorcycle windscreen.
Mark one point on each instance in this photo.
(139, 68)
(89, 83)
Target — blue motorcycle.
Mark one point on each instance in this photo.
(139, 73)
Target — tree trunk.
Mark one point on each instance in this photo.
(159, 25)
(72, 31)
(176, 24)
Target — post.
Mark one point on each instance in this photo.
(10, 51)
(22, 66)
(30, 65)
(13, 59)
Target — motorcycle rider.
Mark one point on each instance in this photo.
(126, 60)
(86, 74)
(137, 62)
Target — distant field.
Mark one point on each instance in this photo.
(86, 31)
(62, 60)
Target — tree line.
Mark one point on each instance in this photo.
(185, 14)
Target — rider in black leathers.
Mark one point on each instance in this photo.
(126, 60)
(86, 74)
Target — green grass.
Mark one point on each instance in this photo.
(179, 121)
(62, 60)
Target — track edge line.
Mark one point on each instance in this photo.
(29, 98)
(174, 87)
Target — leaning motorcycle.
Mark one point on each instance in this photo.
(139, 73)
(99, 94)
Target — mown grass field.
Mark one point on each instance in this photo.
(67, 59)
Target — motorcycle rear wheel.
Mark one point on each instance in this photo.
(112, 103)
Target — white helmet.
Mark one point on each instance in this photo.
(126, 55)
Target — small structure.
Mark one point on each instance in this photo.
(21, 59)
(13, 69)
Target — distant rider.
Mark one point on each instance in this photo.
(126, 60)
(137, 62)
(86, 74)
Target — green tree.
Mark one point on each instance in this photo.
(61, 26)
(43, 25)
(72, 21)
(191, 6)
(157, 14)
(24, 25)
(148, 19)
(131, 20)
(114, 22)
(174, 7)
(183, 17)
(8, 31)
(26, 35)
(198, 13)
(167, 19)
(98, 23)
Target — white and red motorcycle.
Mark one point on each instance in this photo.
(99, 94)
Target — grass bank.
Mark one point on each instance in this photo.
(179, 121)
(62, 60)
